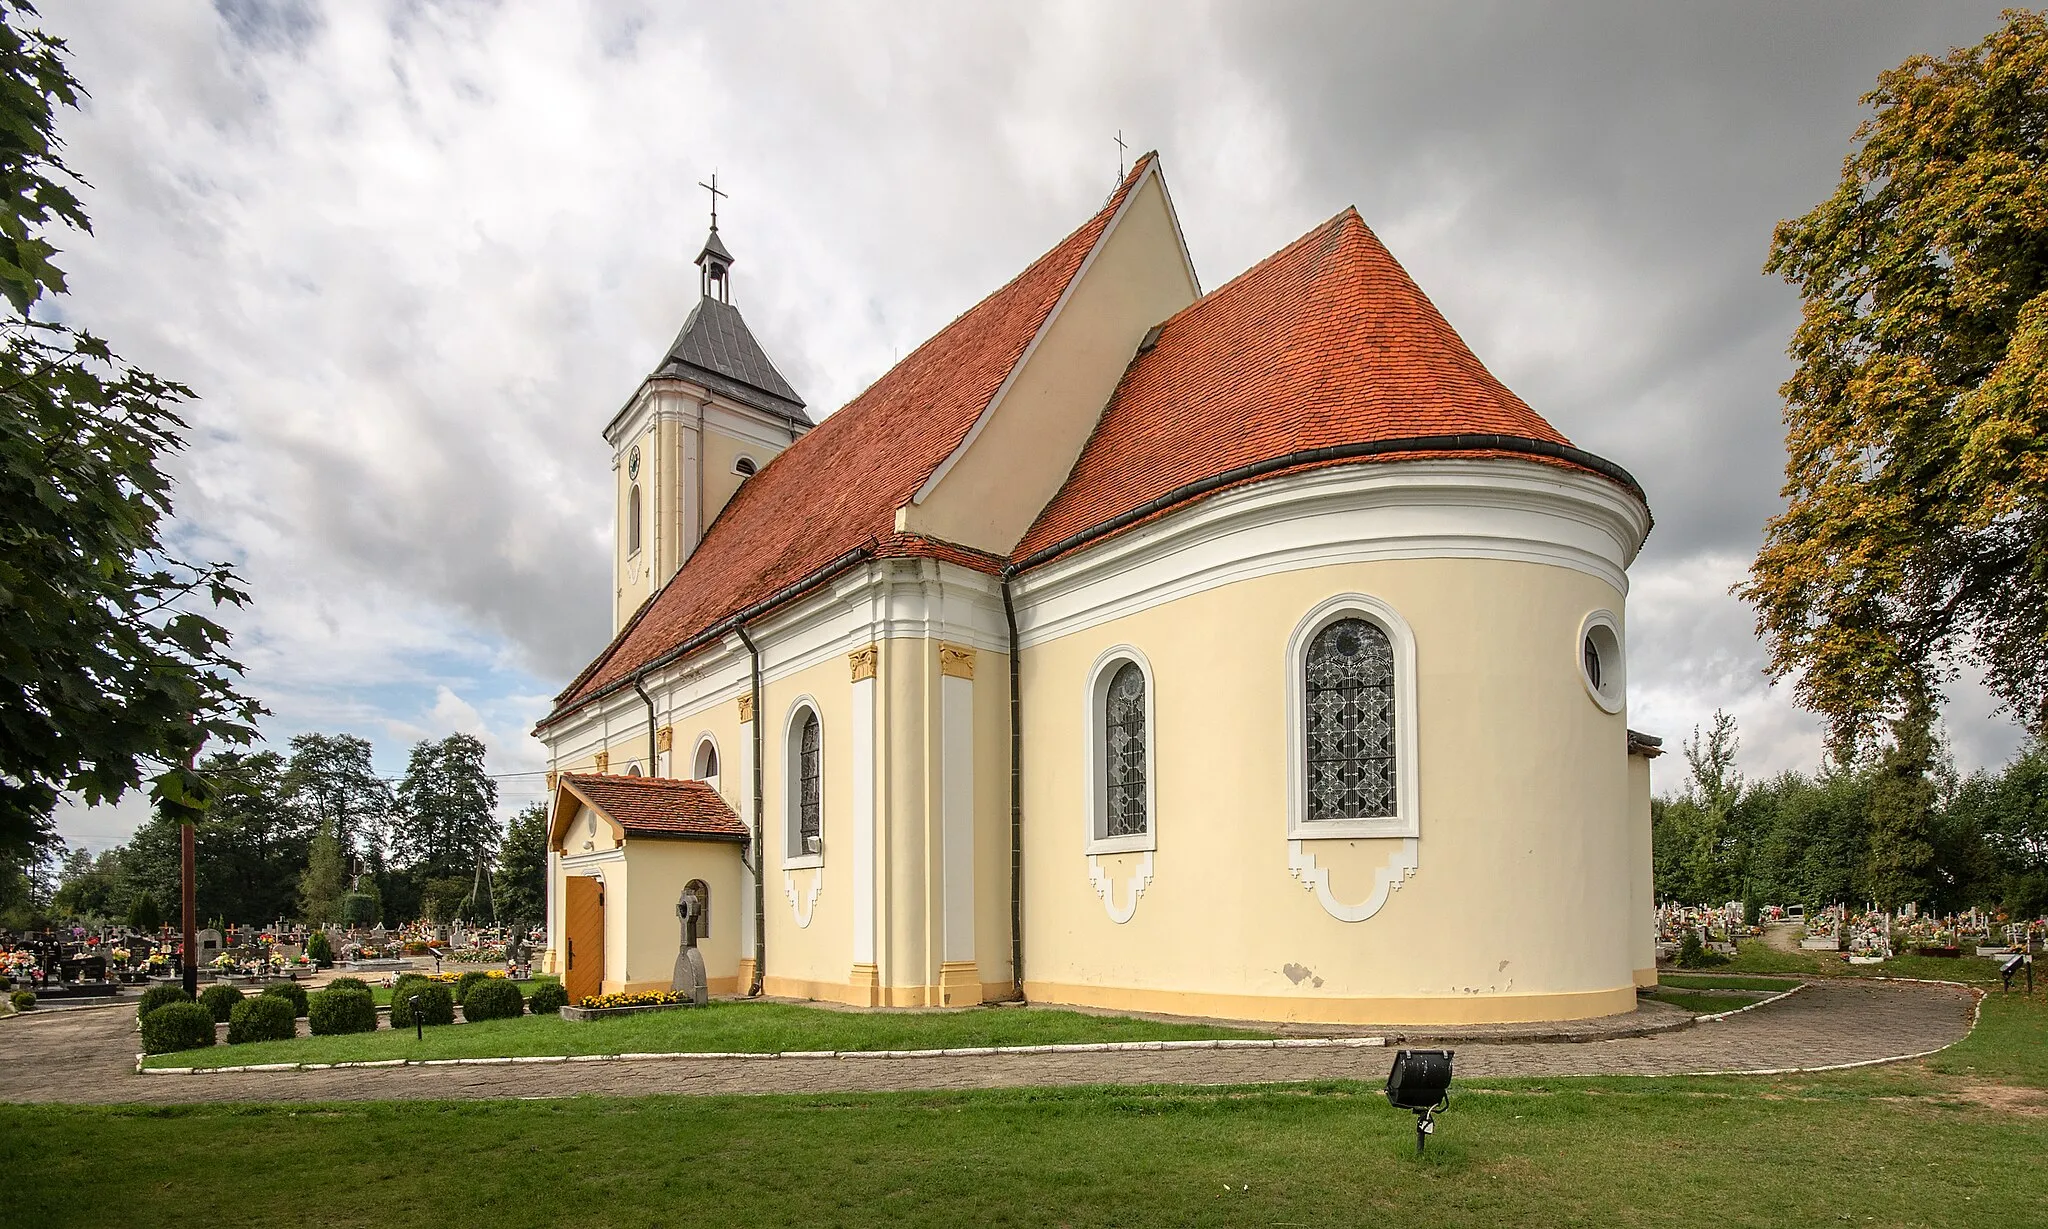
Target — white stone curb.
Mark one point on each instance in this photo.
(1765, 1002)
(1097, 1047)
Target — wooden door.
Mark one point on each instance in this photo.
(583, 921)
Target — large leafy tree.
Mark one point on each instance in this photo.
(334, 784)
(447, 808)
(521, 890)
(1915, 534)
(109, 672)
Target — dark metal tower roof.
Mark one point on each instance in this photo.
(715, 349)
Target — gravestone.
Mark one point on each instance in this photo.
(688, 977)
(458, 938)
(209, 945)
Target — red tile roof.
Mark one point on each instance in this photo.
(1326, 342)
(659, 806)
(838, 486)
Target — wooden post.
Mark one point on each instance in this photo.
(191, 913)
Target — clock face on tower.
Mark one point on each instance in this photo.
(633, 464)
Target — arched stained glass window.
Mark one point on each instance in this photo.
(808, 773)
(1350, 717)
(1123, 729)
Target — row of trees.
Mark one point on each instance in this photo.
(1895, 826)
(321, 837)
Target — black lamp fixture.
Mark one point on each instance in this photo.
(2011, 966)
(1421, 1083)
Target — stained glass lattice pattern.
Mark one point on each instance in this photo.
(1350, 687)
(808, 770)
(1124, 752)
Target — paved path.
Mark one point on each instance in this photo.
(88, 1056)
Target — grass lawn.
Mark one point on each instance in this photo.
(1913, 1144)
(753, 1028)
(1754, 956)
(1706, 1004)
(1712, 981)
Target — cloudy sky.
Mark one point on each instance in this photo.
(412, 256)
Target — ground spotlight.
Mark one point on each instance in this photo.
(1421, 1082)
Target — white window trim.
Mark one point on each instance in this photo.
(1613, 695)
(749, 460)
(790, 765)
(1094, 807)
(1405, 820)
(717, 753)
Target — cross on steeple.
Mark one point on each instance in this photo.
(1120, 148)
(714, 262)
(713, 189)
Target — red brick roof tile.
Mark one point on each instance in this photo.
(659, 806)
(839, 485)
(1326, 342)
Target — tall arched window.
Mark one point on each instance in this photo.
(633, 521)
(1349, 681)
(707, 761)
(803, 784)
(1123, 753)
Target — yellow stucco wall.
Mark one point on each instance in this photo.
(1522, 904)
(655, 873)
(1642, 874)
(814, 959)
(1027, 447)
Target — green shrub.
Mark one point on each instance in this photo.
(263, 1018)
(177, 1026)
(291, 992)
(547, 998)
(6, 983)
(159, 996)
(220, 1000)
(437, 1006)
(349, 983)
(320, 950)
(493, 998)
(22, 999)
(334, 1011)
(467, 982)
(1693, 955)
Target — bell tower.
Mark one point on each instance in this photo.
(712, 414)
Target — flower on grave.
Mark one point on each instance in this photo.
(224, 962)
(122, 954)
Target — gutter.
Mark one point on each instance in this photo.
(760, 845)
(1336, 452)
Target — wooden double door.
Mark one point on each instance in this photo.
(583, 929)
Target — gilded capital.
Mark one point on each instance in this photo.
(956, 662)
(553, 777)
(746, 708)
(604, 761)
(863, 662)
(665, 738)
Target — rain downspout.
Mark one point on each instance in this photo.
(1016, 805)
(649, 702)
(760, 844)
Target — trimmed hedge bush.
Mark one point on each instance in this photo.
(547, 998)
(263, 1018)
(493, 999)
(22, 999)
(159, 996)
(291, 992)
(437, 1006)
(177, 1026)
(349, 983)
(468, 982)
(335, 1011)
(220, 1000)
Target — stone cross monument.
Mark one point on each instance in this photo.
(689, 972)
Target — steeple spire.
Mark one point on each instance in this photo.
(714, 262)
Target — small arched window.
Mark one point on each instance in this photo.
(1123, 753)
(745, 467)
(707, 761)
(702, 891)
(1349, 683)
(633, 520)
(633, 770)
(803, 782)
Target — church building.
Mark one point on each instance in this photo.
(1251, 654)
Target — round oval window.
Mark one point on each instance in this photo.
(1600, 661)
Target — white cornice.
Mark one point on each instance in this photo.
(1484, 509)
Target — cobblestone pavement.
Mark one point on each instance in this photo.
(88, 1056)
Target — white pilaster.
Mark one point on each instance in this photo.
(745, 795)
